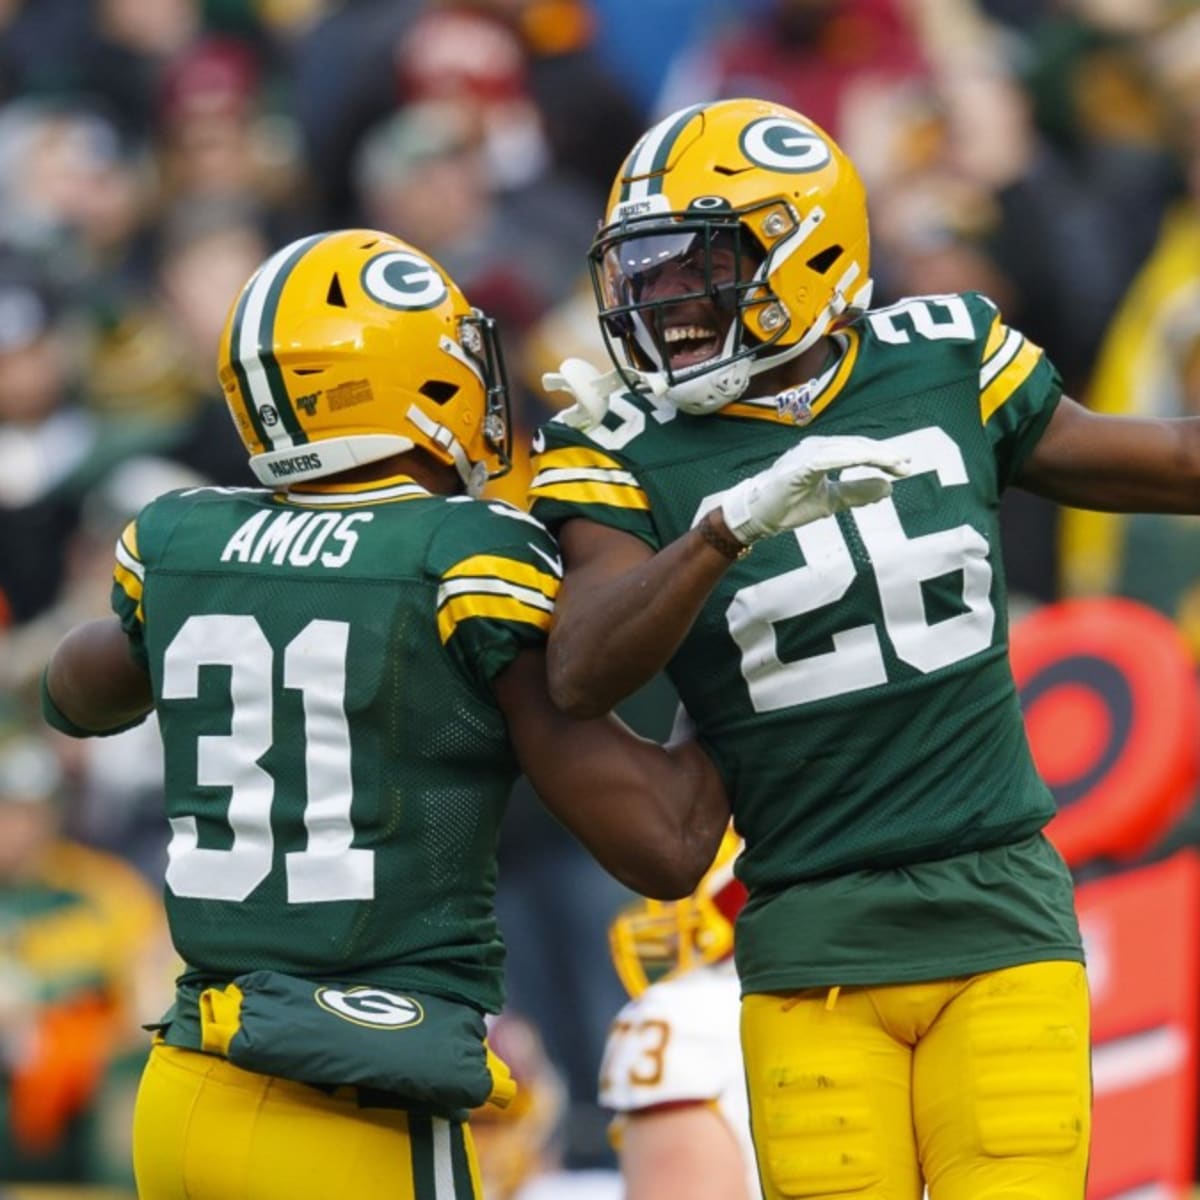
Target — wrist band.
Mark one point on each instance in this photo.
(725, 545)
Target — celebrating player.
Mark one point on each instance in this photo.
(915, 1005)
(348, 670)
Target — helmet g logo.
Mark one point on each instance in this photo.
(783, 145)
(371, 1006)
(400, 279)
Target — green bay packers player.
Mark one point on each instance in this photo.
(914, 999)
(672, 1070)
(347, 666)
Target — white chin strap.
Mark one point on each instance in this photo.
(710, 390)
(473, 475)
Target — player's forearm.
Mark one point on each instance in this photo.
(1117, 464)
(93, 682)
(659, 839)
(652, 816)
(612, 635)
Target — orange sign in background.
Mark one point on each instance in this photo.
(1112, 711)
(1111, 707)
(1141, 931)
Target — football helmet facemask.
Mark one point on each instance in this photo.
(652, 940)
(736, 237)
(348, 347)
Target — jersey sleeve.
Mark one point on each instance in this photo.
(129, 580)
(498, 573)
(574, 476)
(676, 1043)
(1019, 389)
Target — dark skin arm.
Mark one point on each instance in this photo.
(94, 680)
(1116, 464)
(652, 816)
(623, 610)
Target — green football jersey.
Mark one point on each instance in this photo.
(336, 762)
(851, 677)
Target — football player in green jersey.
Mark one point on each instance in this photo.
(347, 666)
(915, 1006)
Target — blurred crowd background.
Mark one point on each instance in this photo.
(152, 152)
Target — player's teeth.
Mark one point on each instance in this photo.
(683, 332)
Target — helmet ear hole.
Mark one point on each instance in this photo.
(439, 390)
(825, 259)
(335, 295)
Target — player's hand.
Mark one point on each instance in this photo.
(796, 489)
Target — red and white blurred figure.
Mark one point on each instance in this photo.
(462, 55)
(672, 1069)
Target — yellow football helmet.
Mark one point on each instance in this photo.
(652, 940)
(348, 347)
(751, 180)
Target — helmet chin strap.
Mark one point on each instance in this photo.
(473, 475)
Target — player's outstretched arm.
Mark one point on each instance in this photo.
(1116, 464)
(653, 816)
(92, 683)
(623, 610)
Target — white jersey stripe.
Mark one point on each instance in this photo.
(443, 1163)
(319, 499)
(1001, 359)
(130, 563)
(581, 475)
(474, 584)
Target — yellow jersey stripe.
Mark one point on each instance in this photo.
(494, 566)
(324, 494)
(825, 396)
(131, 585)
(1009, 379)
(367, 485)
(474, 604)
(841, 375)
(574, 456)
(737, 408)
(996, 335)
(614, 495)
(395, 495)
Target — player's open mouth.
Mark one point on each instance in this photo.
(688, 345)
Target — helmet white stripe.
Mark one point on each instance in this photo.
(249, 346)
(645, 157)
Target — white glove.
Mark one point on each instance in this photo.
(591, 390)
(796, 489)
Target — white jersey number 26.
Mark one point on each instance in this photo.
(900, 564)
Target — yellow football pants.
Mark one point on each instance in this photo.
(979, 1087)
(204, 1129)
